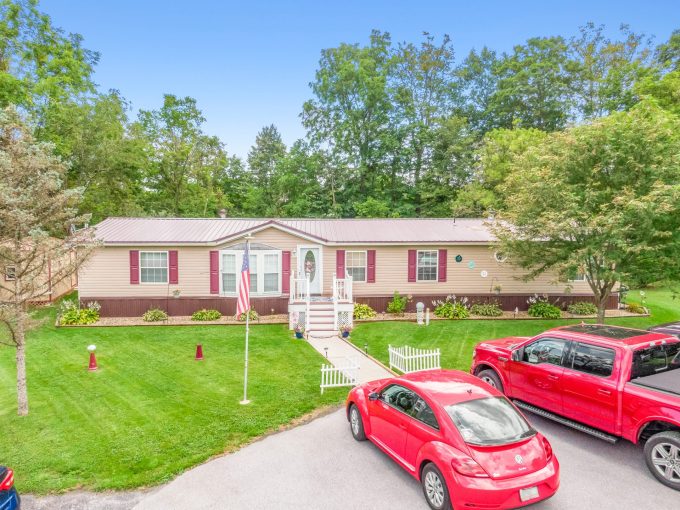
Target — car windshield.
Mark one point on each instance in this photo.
(489, 421)
(655, 359)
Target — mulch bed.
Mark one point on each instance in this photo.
(411, 317)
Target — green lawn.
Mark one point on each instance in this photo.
(456, 339)
(150, 411)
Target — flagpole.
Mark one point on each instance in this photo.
(245, 400)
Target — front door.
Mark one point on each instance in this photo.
(309, 265)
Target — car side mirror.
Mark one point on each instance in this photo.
(372, 396)
(517, 354)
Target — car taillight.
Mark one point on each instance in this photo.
(468, 467)
(548, 448)
(8, 481)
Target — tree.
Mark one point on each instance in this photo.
(351, 113)
(602, 199)
(478, 81)
(424, 89)
(185, 164)
(605, 71)
(36, 213)
(495, 156)
(534, 86)
(667, 55)
(264, 161)
(40, 66)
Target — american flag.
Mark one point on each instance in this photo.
(243, 304)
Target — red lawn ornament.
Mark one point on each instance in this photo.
(199, 352)
(93, 359)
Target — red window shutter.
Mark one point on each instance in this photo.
(340, 264)
(285, 272)
(370, 266)
(214, 272)
(134, 267)
(412, 255)
(173, 264)
(442, 266)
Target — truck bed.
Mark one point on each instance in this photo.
(665, 381)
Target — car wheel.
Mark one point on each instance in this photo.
(434, 488)
(662, 454)
(491, 378)
(356, 424)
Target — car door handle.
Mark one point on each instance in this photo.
(403, 426)
(554, 377)
(604, 392)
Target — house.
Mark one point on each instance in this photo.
(312, 269)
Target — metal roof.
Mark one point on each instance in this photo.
(326, 231)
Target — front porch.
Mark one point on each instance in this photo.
(320, 314)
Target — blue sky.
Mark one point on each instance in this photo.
(249, 63)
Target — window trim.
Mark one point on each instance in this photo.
(260, 254)
(436, 266)
(9, 278)
(365, 266)
(417, 397)
(167, 267)
(566, 352)
(582, 279)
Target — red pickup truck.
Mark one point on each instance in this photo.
(608, 381)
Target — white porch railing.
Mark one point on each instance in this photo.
(343, 372)
(409, 359)
(342, 291)
(300, 292)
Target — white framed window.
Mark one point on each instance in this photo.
(428, 262)
(10, 273)
(578, 277)
(265, 271)
(355, 265)
(153, 267)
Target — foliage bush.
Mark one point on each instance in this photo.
(452, 308)
(635, 308)
(206, 315)
(582, 308)
(540, 307)
(363, 311)
(71, 315)
(486, 309)
(251, 313)
(398, 304)
(154, 315)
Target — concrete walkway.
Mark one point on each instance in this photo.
(338, 349)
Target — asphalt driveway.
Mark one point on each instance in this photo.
(319, 465)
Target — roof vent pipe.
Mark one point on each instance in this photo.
(222, 213)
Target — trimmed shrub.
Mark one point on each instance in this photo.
(251, 313)
(71, 315)
(544, 310)
(486, 309)
(398, 304)
(154, 315)
(635, 308)
(582, 308)
(363, 311)
(206, 315)
(452, 308)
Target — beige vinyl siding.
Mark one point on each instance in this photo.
(107, 273)
(391, 273)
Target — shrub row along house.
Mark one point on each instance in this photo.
(312, 269)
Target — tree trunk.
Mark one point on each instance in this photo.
(601, 306)
(22, 392)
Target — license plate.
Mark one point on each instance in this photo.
(528, 493)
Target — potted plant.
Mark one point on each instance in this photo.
(344, 331)
(299, 332)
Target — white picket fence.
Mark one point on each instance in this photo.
(342, 372)
(409, 359)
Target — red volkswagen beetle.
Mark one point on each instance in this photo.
(465, 442)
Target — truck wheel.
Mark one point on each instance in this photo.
(662, 454)
(491, 378)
